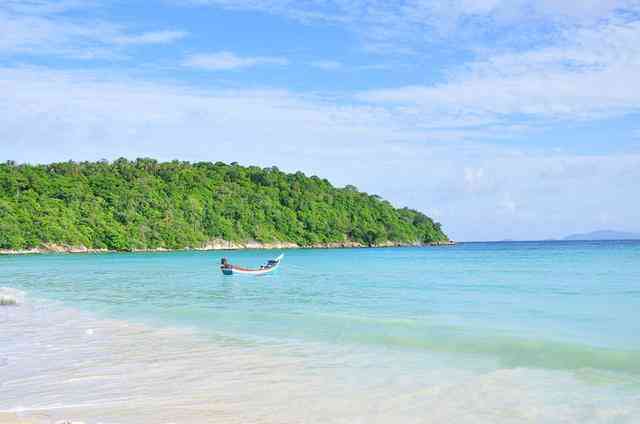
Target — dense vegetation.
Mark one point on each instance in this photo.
(141, 204)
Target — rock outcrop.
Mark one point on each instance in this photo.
(220, 244)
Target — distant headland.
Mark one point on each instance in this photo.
(604, 235)
(146, 205)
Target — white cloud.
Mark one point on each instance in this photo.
(327, 65)
(45, 7)
(127, 116)
(225, 61)
(334, 65)
(588, 74)
(381, 140)
(474, 179)
(41, 28)
(409, 26)
(47, 116)
(152, 37)
(507, 205)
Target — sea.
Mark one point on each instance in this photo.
(509, 332)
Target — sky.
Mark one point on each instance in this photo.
(502, 119)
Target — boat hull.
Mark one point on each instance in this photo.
(233, 271)
(243, 271)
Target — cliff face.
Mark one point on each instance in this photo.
(145, 205)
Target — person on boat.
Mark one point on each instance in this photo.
(224, 263)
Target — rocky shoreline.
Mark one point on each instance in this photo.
(220, 245)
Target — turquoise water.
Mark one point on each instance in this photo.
(546, 305)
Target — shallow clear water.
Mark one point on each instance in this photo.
(555, 322)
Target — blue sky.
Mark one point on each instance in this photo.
(502, 119)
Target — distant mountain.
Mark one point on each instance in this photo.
(604, 235)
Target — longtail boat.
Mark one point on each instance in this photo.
(270, 266)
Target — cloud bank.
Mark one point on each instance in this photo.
(41, 28)
(226, 61)
(472, 187)
(477, 143)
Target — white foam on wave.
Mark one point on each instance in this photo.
(10, 296)
(62, 364)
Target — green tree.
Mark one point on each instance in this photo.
(147, 204)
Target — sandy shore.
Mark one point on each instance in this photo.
(10, 418)
(67, 366)
(6, 418)
(221, 245)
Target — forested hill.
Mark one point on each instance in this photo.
(145, 204)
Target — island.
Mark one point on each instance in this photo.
(146, 205)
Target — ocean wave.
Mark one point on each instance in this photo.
(512, 352)
(127, 372)
(430, 333)
(11, 297)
